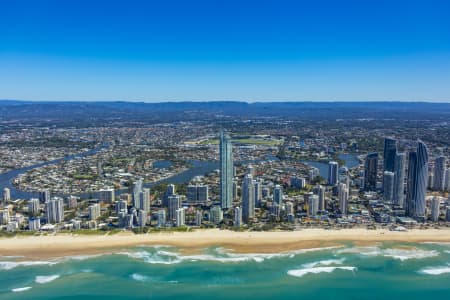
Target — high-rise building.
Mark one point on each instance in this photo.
(399, 179)
(198, 218)
(144, 200)
(33, 207)
(343, 198)
(137, 189)
(180, 217)
(447, 179)
(258, 192)
(94, 211)
(161, 218)
(142, 218)
(417, 182)
(106, 195)
(435, 206)
(388, 186)
(170, 191)
(333, 172)
(313, 205)
(439, 173)
(313, 173)
(6, 195)
(174, 205)
(237, 216)
(321, 193)
(390, 151)
(370, 172)
(216, 214)
(34, 224)
(226, 171)
(4, 217)
(54, 211)
(248, 199)
(197, 193)
(278, 195)
(121, 205)
(235, 189)
(298, 182)
(44, 196)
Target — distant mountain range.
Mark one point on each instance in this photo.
(96, 111)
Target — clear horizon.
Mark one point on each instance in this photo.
(256, 51)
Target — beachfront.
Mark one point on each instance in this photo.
(59, 245)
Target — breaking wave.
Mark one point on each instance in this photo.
(401, 254)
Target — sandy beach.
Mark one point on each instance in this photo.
(34, 247)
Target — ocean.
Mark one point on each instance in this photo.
(382, 271)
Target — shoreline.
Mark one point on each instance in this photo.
(61, 245)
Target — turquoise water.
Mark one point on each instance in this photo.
(385, 271)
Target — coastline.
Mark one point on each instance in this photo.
(60, 245)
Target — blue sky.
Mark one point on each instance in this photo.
(225, 50)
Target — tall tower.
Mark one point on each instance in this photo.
(370, 172)
(333, 172)
(439, 173)
(399, 179)
(248, 199)
(388, 186)
(226, 171)
(417, 181)
(390, 150)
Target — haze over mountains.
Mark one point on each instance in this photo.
(58, 111)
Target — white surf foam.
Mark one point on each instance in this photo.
(46, 279)
(139, 277)
(8, 265)
(317, 270)
(327, 262)
(401, 254)
(219, 255)
(436, 270)
(22, 289)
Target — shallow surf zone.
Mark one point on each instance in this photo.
(439, 270)
(169, 255)
(321, 266)
(395, 253)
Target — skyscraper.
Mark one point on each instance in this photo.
(435, 203)
(388, 186)
(439, 173)
(174, 205)
(313, 205)
(333, 172)
(278, 195)
(144, 200)
(417, 181)
(258, 192)
(44, 196)
(399, 179)
(321, 194)
(54, 210)
(226, 170)
(106, 195)
(343, 198)
(370, 172)
(248, 199)
(137, 189)
(33, 207)
(237, 216)
(390, 150)
(6, 195)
